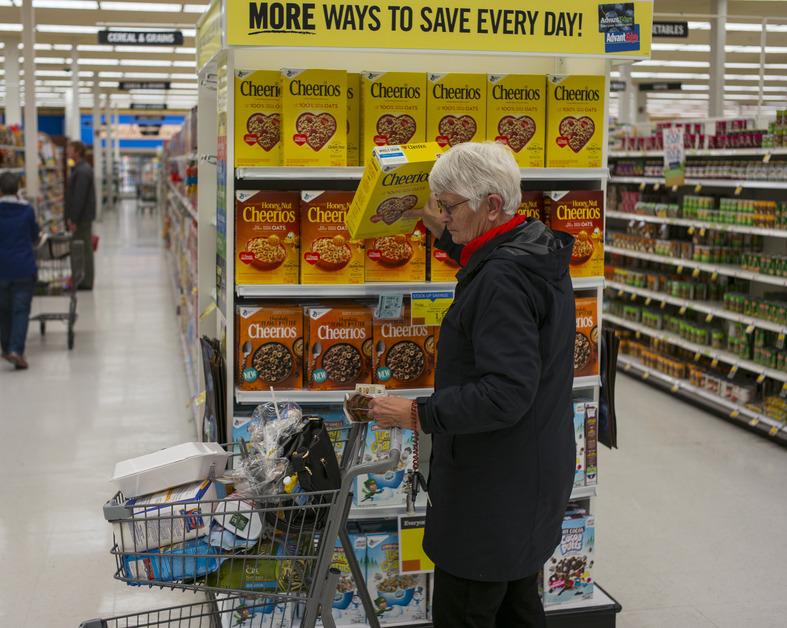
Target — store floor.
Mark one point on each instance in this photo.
(690, 513)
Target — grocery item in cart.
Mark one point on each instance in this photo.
(267, 237)
(394, 109)
(353, 118)
(581, 214)
(182, 561)
(586, 350)
(456, 108)
(254, 612)
(329, 254)
(314, 118)
(235, 524)
(516, 115)
(173, 466)
(568, 573)
(400, 257)
(270, 347)
(257, 118)
(404, 354)
(575, 121)
(375, 490)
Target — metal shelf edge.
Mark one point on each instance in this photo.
(688, 222)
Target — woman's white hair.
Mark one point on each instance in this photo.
(475, 170)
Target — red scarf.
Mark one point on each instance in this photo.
(475, 244)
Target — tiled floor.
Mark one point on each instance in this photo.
(690, 516)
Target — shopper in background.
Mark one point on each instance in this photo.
(81, 207)
(18, 233)
(503, 450)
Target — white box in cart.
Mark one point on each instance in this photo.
(174, 466)
(253, 612)
(167, 517)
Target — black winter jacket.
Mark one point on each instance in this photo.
(81, 195)
(503, 451)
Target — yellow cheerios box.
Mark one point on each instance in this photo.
(516, 107)
(575, 122)
(394, 109)
(456, 108)
(257, 118)
(395, 180)
(314, 118)
(353, 119)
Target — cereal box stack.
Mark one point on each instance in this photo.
(328, 254)
(257, 118)
(456, 109)
(384, 490)
(442, 268)
(314, 118)
(400, 257)
(575, 122)
(393, 109)
(516, 115)
(267, 237)
(532, 206)
(586, 350)
(339, 347)
(270, 347)
(404, 354)
(353, 119)
(581, 214)
(346, 609)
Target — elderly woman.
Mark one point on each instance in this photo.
(503, 451)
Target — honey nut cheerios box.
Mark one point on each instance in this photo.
(516, 107)
(393, 109)
(353, 119)
(339, 347)
(314, 118)
(575, 121)
(441, 267)
(580, 213)
(532, 206)
(586, 351)
(270, 347)
(328, 254)
(456, 108)
(404, 354)
(257, 118)
(267, 237)
(400, 257)
(395, 180)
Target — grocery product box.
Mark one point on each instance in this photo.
(254, 612)
(581, 214)
(166, 517)
(404, 354)
(257, 118)
(567, 574)
(314, 118)
(586, 349)
(267, 237)
(353, 119)
(329, 254)
(591, 443)
(395, 180)
(347, 608)
(339, 349)
(393, 109)
(192, 559)
(442, 268)
(398, 598)
(575, 122)
(579, 439)
(532, 206)
(456, 108)
(400, 257)
(516, 106)
(376, 490)
(270, 347)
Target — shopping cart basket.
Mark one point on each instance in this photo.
(61, 267)
(283, 580)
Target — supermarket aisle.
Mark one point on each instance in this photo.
(66, 421)
(690, 517)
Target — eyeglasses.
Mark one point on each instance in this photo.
(449, 208)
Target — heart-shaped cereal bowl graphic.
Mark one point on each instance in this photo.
(576, 132)
(263, 130)
(457, 129)
(391, 209)
(318, 129)
(517, 131)
(396, 129)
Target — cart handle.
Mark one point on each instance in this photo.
(380, 466)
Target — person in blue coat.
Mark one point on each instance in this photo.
(19, 232)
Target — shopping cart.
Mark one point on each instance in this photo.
(283, 580)
(147, 197)
(61, 267)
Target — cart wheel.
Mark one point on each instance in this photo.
(42, 327)
(70, 338)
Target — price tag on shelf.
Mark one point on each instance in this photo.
(675, 387)
(780, 341)
(645, 375)
(697, 188)
(695, 273)
(642, 186)
(732, 372)
(682, 310)
(627, 366)
(620, 293)
(714, 276)
(761, 378)
(680, 269)
(412, 558)
(783, 392)
(773, 431)
(674, 188)
(638, 335)
(389, 306)
(709, 318)
(697, 356)
(429, 308)
(691, 230)
(750, 329)
(735, 414)
(633, 297)
(648, 301)
(662, 305)
(766, 158)
(754, 422)
(656, 187)
(738, 190)
(714, 363)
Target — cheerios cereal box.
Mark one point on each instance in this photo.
(400, 257)
(586, 348)
(267, 237)
(404, 354)
(395, 180)
(257, 118)
(580, 213)
(442, 267)
(575, 121)
(456, 108)
(353, 119)
(516, 107)
(532, 206)
(328, 253)
(393, 109)
(314, 118)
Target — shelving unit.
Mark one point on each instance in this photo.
(696, 152)
(699, 224)
(709, 183)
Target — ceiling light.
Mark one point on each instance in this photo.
(186, 51)
(670, 75)
(156, 63)
(188, 86)
(67, 28)
(681, 47)
(186, 77)
(68, 47)
(699, 26)
(11, 28)
(141, 6)
(189, 32)
(110, 74)
(184, 64)
(65, 4)
(143, 75)
(148, 49)
(672, 64)
(755, 49)
(51, 60)
(93, 48)
(104, 61)
(42, 47)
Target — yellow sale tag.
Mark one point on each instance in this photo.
(208, 310)
(754, 422)
(766, 158)
(639, 335)
(714, 276)
(633, 297)
(695, 273)
(750, 329)
(714, 363)
(697, 188)
(697, 356)
(620, 293)
(773, 431)
(738, 190)
(735, 413)
(412, 558)
(627, 367)
(780, 341)
(648, 301)
(674, 188)
(761, 378)
(656, 187)
(663, 305)
(675, 387)
(429, 308)
(733, 370)
(680, 269)
(691, 230)
(683, 310)
(645, 375)
(709, 318)
(642, 186)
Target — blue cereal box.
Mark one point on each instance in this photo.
(183, 561)
(567, 575)
(384, 489)
(579, 437)
(397, 598)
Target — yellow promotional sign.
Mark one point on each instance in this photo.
(429, 308)
(209, 34)
(567, 27)
(412, 557)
